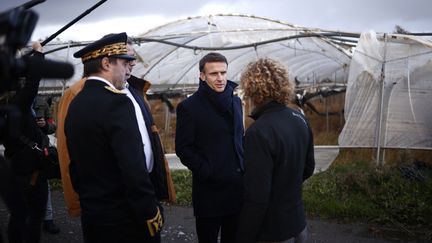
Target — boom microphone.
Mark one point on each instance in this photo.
(49, 69)
(42, 68)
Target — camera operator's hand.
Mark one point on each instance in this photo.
(41, 122)
(37, 46)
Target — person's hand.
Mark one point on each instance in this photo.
(41, 122)
(37, 46)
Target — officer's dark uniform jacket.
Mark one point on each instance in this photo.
(209, 142)
(108, 167)
(279, 156)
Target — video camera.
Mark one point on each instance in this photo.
(16, 28)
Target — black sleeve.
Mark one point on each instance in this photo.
(26, 95)
(310, 159)
(185, 143)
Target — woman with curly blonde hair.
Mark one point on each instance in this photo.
(278, 158)
(267, 79)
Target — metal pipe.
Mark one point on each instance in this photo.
(381, 105)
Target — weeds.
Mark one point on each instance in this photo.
(183, 185)
(358, 191)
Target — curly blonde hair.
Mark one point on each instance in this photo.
(267, 79)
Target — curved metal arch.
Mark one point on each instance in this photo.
(204, 48)
(167, 54)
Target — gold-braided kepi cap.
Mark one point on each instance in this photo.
(113, 45)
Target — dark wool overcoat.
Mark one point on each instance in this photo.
(209, 142)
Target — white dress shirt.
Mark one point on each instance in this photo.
(143, 130)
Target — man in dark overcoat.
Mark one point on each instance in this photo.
(209, 142)
(108, 165)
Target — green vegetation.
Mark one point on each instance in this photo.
(56, 184)
(360, 192)
(183, 185)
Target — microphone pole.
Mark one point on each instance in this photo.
(72, 22)
(50, 38)
(31, 4)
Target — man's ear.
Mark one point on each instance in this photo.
(202, 76)
(105, 63)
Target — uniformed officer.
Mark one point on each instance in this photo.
(108, 165)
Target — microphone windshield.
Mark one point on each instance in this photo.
(49, 69)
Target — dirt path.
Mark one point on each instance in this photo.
(180, 227)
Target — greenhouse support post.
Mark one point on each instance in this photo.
(379, 156)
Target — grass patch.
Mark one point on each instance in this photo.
(183, 185)
(387, 196)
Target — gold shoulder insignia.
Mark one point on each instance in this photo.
(114, 90)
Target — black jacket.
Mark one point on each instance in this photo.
(279, 156)
(108, 168)
(209, 142)
(21, 124)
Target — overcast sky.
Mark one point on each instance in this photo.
(138, 16)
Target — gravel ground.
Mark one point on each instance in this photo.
(180, 227)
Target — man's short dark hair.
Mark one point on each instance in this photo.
(93, 66)
(211, 57)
